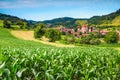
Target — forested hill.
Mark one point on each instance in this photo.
(63, 21)
(112, 19)
(14, 22)
(60, 20)
(109, 20)
(11, 18)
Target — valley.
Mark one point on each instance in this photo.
(62, 48)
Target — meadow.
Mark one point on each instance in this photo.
(29, 60)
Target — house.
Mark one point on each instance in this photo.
(67, 30)
(78, 29)
(84, 28)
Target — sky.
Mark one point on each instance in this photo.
(40, 10)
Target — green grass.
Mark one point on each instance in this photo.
(7, 40)
(36, 61)
(1, 23)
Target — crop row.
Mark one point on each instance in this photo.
(59, 64)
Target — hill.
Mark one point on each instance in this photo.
(110, 20)
(63, 21)
(14, 22)
(10, 17)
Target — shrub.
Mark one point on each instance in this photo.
(39, 31)
(63, 33)
(90, 40)
(53, 35)
(7, 24)
(85, 40)
(111, 37)
(72, 40)
(96, 35)
(65, 40)
(95, 41)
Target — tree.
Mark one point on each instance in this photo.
(39, 31)
(112, 37)
(53, 35)
(23, 25)
(7, 24)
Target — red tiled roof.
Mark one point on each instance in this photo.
(78, 27)
(84, 26)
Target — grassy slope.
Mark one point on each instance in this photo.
(116, 21)
(29, 35)
(1, 23)
(7, 40)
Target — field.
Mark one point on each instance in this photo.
(29, 60)
(29, 35)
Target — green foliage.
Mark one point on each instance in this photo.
(10, 21)
(95, 41)
(112, 37)
(53, 35)
(1, 23)
(60, 64)
(92, 39)
(7, 40)
(81, 22)
(105, 21)
(7, 24)
(30, 60)
(116, 20)
(65, 21)
(23, 25)
(96, 35)
(85, 39)
(39, 31)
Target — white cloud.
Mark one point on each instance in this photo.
(36, 3)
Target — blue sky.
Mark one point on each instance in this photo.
(48, 9)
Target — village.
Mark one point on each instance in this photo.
(84, 30)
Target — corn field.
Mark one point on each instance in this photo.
(59, 64)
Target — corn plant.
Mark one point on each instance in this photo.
(59, 64)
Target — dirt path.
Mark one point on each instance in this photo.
(28, 35)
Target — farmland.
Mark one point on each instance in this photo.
(29, 60)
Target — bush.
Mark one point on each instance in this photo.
(96, 35)
(72, 40)
(85, 40)
(65, 40)
(95, 41)
(111, 37)
(90, 40)
(53, 35)
(7, 24)
(39, 31)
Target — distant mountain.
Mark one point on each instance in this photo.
(64, 21)
(112, 19)
(59, 20)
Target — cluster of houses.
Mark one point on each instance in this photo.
(82, 30)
